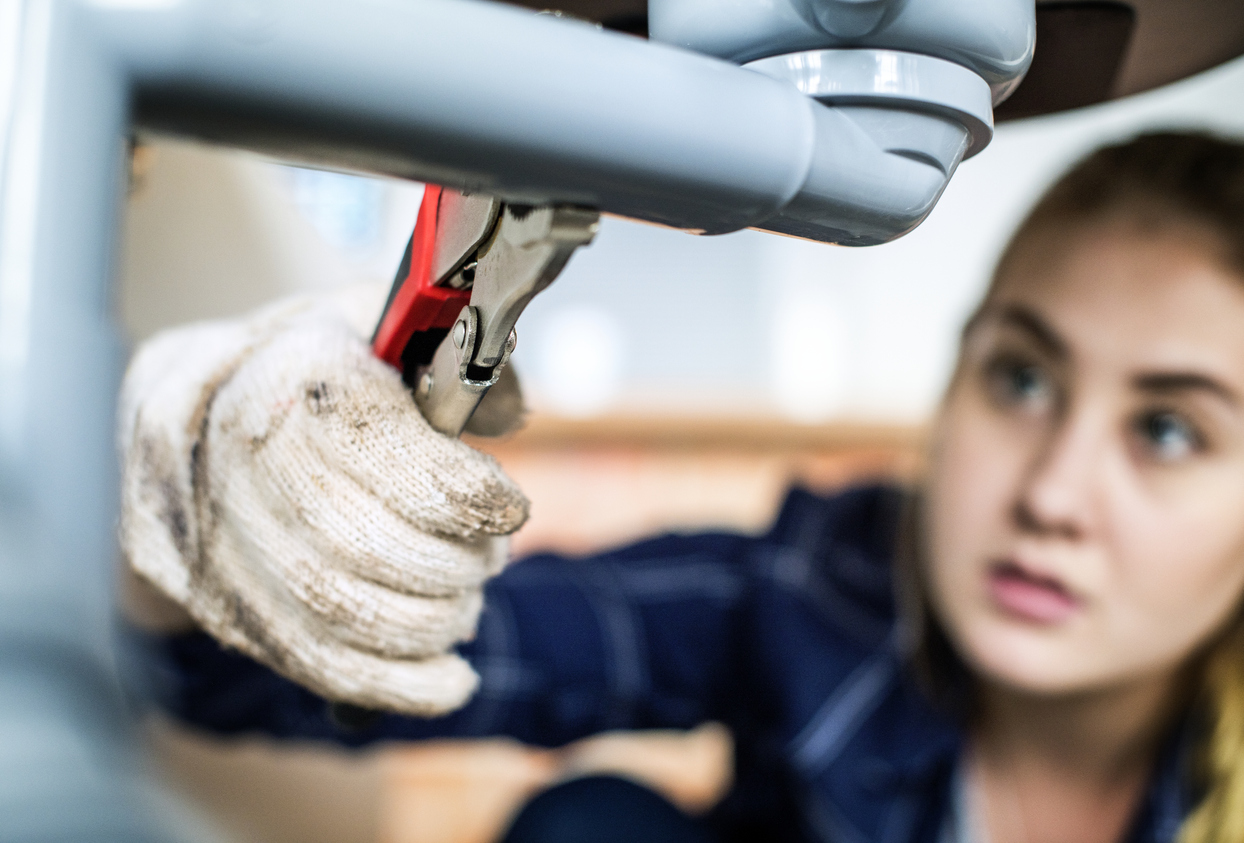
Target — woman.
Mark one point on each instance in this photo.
(1083, 554)
(1065, 658)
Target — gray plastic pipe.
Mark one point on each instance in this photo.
(489, 98)
(463, 93)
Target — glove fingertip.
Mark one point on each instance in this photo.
(512, 513)
(431, 687)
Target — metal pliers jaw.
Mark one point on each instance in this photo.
(472, 265)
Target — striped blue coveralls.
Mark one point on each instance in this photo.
(787, 638)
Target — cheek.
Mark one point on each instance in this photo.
(1179, 561)
(975, 467)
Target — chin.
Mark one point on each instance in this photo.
(1030, 661)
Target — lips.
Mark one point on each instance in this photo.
(1029, 596)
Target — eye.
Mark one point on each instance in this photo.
(1019, 383)
(1168, 435)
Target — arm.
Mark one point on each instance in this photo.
(642, 637)
(281, 490)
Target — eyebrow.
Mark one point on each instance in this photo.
(1167, 382)
(1030, 323)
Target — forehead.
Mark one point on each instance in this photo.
(1115, 288)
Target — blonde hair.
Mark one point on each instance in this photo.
(1159, 179)
(1219, 816)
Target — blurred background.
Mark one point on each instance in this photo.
(676, 382)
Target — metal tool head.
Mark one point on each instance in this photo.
(504, 254)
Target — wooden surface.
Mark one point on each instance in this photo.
(598, 483)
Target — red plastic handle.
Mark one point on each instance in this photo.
(416, 304)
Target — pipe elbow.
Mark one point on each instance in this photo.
(846, 18)
(875, 174)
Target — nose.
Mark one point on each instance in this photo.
(1056, 494)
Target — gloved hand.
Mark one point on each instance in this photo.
(280, 484)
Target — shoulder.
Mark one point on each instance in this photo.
(837, 552)
(865, 518)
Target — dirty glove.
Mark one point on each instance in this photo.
(280, 484)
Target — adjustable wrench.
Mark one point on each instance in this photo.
(472, 265)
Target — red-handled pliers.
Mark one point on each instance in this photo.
(472, 265)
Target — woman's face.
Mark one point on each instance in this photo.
(1085, 521)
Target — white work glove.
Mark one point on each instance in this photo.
(280, 484)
